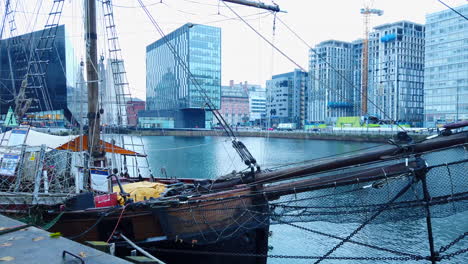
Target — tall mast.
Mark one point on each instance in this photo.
(95, 153)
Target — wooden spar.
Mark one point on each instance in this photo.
(370, 156)
(274, 8)
(456, 125)
(275, 191)
(326, 164)
(92, 78)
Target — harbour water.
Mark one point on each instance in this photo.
(209, 157)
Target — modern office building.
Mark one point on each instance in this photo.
(286, 98)
(169, 85)
(59, 80)
(234, 105)
(331, 73)
(257, 105)
(446, 67)
(396, 72)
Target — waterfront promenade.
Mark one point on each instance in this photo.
(341, 135)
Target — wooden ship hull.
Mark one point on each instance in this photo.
(174, 233)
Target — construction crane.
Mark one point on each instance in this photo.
(366, 12)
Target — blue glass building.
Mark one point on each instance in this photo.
(446, 67)
(60, 77)
(168, 84)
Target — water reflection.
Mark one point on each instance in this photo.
(210, 157)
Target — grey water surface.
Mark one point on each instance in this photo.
(210, 157)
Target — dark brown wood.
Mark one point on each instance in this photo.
(275, 191)
(376, 154)
(210, 212)
(92, 78)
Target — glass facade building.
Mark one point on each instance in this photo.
(169, 85)
(60, 77)
(396, 72)
(331, 93)
(446, 67)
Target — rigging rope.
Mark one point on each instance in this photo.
(297, 64)
(240, 148)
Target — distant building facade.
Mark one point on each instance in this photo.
(157, 119)
(357, 76)
(168, 84)
(133, 108)
(331, 73)
(234, 105)
(286, 98)
(59, 86)
(396, 72)
(257, 105)
(446, 67)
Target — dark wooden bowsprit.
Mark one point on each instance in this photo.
(386, 152)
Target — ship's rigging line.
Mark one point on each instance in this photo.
(342, 169)
(240, 148)
(297, 64)
(451, 8)
(29, 27)
(36, 81)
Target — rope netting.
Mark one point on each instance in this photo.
(35, 176)
(369, 214)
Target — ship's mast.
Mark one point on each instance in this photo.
(96, 155)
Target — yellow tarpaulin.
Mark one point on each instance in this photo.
(140, 191)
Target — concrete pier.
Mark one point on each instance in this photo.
(34, 245)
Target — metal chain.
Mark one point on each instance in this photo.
(412, 256)
(233, 254)
(453, 254)
(365, 223)
(445, 248)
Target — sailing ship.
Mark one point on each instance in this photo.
(227, 219)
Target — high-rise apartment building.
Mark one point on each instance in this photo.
(169, 86)
(331, 93)
(396, 72)
(446, 67)
(357, 76)
(286, 98)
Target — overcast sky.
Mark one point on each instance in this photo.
(245, 56)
